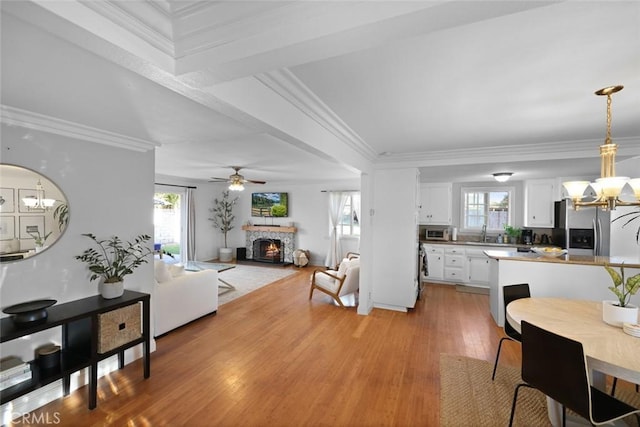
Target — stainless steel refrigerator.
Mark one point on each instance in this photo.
(586, 231)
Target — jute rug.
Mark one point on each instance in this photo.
(247, 279)
(468, 397)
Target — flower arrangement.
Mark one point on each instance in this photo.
(621, 288)
(115, 258)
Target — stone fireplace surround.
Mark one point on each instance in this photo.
(286, 235)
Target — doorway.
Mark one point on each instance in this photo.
(167, 222)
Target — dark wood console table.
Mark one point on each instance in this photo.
(80, 335)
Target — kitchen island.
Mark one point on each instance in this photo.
(567, 276)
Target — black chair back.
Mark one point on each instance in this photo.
(512, 293)
(556, 366)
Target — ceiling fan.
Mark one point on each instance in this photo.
(236, 181)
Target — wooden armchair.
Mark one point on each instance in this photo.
(344, 281)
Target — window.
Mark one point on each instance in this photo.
(349, 222)
(490, 206)
(167, 221)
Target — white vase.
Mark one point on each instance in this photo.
(226, 254)
(40, 248)
(615, 315)
(111, 290)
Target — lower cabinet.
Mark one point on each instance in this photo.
(454, 264)
(477, 268)
(435, 262)
(459, 264)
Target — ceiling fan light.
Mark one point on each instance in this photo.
(502, 176)
(236, 186)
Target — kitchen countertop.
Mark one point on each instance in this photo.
(563, 259)
(471, 244)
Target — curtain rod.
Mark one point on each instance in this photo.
(339, 191)
(175, 185)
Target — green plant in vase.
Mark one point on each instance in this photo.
(38, 240)
(113, 260)
(623, 289)
(513, 233)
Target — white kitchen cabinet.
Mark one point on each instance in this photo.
(435, 262)
(539, 197)
(477, 267)
(435, 205)
(454, 264)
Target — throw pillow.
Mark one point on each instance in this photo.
(161, 271)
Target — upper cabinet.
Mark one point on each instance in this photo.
(435, 202)
(539, 197)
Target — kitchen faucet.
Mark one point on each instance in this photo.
(483, 236)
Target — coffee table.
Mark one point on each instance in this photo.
(219, 267)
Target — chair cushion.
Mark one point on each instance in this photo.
(161, 271)
(327, 282)
(342, 268)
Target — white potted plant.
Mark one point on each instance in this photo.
(113, 261)
(38, 240)
(620, 311)
(223, 220)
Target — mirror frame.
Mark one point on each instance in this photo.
(16, 184)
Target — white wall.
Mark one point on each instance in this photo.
(109, 191)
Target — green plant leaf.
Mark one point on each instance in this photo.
(617, 280)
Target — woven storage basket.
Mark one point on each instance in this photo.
(118, 327)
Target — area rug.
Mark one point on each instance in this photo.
(247, 279)
(468, 397)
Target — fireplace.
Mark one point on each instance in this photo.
(268, 250)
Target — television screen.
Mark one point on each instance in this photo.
(270, 204)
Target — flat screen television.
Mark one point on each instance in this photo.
(270, 204)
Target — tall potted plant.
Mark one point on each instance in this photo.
(222, 217)
(113, 260)
(621, 311)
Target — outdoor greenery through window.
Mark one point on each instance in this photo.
(167, 222)
(350, 223)
(488, 206)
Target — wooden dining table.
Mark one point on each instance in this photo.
(608, 349)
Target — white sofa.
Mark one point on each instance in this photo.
(181, 296)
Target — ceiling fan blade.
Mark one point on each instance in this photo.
(254, 181)
(213, 179)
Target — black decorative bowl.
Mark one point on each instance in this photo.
(30, 312)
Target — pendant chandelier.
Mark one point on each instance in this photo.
(38, 201)
(609, 186)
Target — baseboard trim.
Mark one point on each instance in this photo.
(472, 289)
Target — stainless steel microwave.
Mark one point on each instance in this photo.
(437, 234)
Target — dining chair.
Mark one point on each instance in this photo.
(510, 293)
(557, 366)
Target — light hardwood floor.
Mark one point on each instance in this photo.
(275, 358)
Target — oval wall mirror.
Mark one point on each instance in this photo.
(34, 213)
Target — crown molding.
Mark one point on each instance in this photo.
(287, 85)
(27, 119)
(120, 17)
(628, 147)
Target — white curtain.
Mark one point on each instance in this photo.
(337, 200)
(356, 208)
(191, 225)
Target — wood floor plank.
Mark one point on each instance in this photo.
(273, 357)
